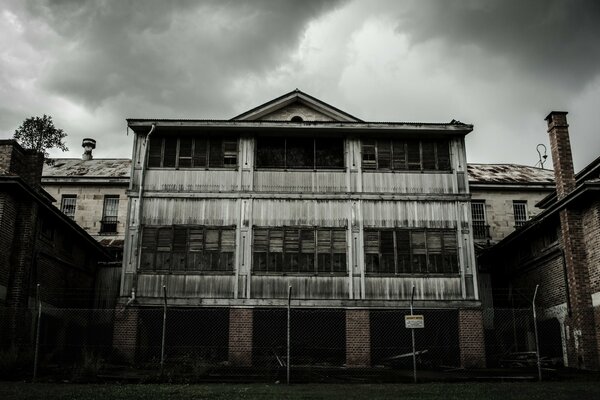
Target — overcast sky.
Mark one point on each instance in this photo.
(500, 65)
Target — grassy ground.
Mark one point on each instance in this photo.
(462, 391)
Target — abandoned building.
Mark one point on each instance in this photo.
(228, 214)
(40, 246)
(559, 250)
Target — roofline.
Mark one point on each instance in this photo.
(451, 128)
(294, 94)
(18, 181)
(513, 185)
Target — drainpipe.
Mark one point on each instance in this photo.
(139, 207)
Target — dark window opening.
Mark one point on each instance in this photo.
(406, 155)
(407, 251)
(190, 152)
(110, 212)
(300, 153)
(297, 118)
(188, 248)
(299, 250)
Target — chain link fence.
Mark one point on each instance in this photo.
(145, 344)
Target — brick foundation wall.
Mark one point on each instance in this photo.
(358, 338)
(471, 338)
(125, 333)
(241, 322)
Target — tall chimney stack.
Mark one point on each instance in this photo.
(560, 146)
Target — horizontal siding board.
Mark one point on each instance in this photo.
(300, 212)
(303, 287)
(172, 211)
(192, 286)
(398, 182)
(430, 214)
(426, 288)
(300, 181)
(193, 180)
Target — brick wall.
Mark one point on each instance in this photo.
(471, 338)
(591, 231)
(358, 338)
(560, 147)
(125, 333)
(240, 336)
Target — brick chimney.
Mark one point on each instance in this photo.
(562, 158)
(16, 161)
(583, 352)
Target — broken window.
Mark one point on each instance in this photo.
(300, 153)
(406, 155)
(190, 152)
(299, 250)
(407, 251)
(187, 248)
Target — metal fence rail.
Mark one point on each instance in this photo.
(266, 344)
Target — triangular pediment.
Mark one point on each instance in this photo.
(296, 104)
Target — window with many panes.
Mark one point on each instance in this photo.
(192, 152)
(480, 226)
(299, 153)
(406, 155)
(188, 248)
(68, 204)
(299, 250)
(520, 212)
(410, 251)
(110, 212)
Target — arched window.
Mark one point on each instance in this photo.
(297, 118)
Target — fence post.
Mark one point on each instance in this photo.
(289, 307)
(37, 332)
(412, 332)
(164, 331)
(537, 342)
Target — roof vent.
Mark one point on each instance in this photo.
(88, 145)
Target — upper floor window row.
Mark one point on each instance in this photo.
(188, 152)
(406, 155)
(300, 153)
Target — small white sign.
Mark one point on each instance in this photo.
(414, 321)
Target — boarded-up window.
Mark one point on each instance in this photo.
(300, 153)
(403, 155)
(188, 248)
(410, 251)
(190, 152)
(299, 250)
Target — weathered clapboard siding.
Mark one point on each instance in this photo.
(425, 214)
(108, 280)
(192, 180)
(300, 181)
(169, 211)
(192, 286)
(325, 213)
(426, 288)
(407, 182)
(304, 287)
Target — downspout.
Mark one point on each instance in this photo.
(139, 208)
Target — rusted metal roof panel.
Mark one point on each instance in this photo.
(509, 174)
(97, 168)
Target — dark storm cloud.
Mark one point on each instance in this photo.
(179, 56)
(557, 39)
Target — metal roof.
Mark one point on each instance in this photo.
(96, 168)
(514, 174)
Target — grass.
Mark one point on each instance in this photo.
(459, 391)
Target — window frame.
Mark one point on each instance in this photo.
(426, 251)
(64, 205)
(225, 160)
(522, 214)
(333, 255)
(186, 250)
(383, 151)
(109, 221)
(286, 167)
(480, 226)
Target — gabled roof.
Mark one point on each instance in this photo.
(296, 96)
